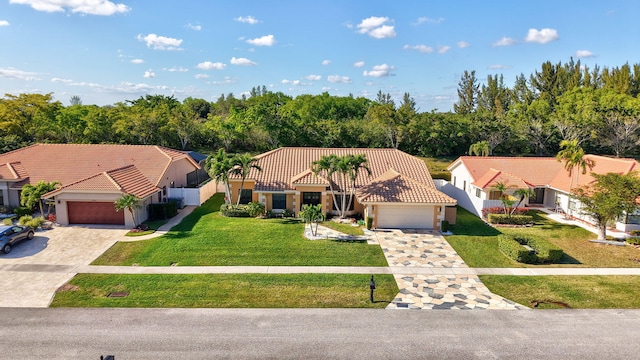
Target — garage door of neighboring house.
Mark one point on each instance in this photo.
(405, 217)
(81, 212)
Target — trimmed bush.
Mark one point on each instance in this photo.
(445, 226)
(7, 222)
(633, 241)
(234, 210)
(510, 220)
(22, 210)
(163, 211)
(369, 223)
(35, 222)
(635, 232)
(543, 251)
(255, 209)
(24, 219)
(500, 210)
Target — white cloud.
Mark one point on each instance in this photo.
(339, 79)
(208, 65)
(242, 61)
(227, 80)
(504, 41)
(313, 77)
(194, 27)
(424, 19)
(92, 7)
(291, 82)
(137, 61)
(358, 64)
(584, 54)
(247, 20)
(201, 76)
(149, 74)
(498, 67)
(326, 62)
(376, 27)
(379, 71)
(11, 73)
(421, 48)
(4, 23)
(462, 44)
(160, 42)
(326, 88)
(267, 40)
(443, 49)
(59, 80)
(542, 36)
(176, 69)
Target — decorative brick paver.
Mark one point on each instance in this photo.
(419, 249)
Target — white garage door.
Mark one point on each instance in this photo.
(405, 216)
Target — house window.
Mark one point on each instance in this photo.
(279, 201)
(633, 219)
(478, 192)
(311, 198)
(558, 200)
(464, 185)
(246, 195)
(164, 191)
(495, 195)
(159, 196)
(1, 198)
(454, 181)
(339, 201)
(573, 204)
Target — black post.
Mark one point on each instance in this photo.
(372, 286)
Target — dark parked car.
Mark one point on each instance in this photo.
(11, 235)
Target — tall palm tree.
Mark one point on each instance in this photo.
(572, 155)
(242, 165)
(129, 202)
(219, 166)
(326, 165)
(355, 163)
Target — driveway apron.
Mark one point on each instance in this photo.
(431, 275)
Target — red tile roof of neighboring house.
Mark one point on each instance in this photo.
(283, 168)
(71, 163)
(537, 171)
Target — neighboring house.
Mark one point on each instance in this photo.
(400, 192)
(473, 181)
(93, 176)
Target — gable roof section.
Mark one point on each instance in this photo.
(284, 168)
(537, 171)
(12, 171)
(127, 180)
(492, 177)
(69, 163)
(395, 187)
(602, 165)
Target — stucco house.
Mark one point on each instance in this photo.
(400, 192)
(93, 176)
(473, 181)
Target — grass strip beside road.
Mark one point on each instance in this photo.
(579, 292)
(227, 291)
(206, 238)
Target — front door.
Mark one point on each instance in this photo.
(311, 198)
(539, 199)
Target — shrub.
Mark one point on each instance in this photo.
(7, 222)
(4, 210)
(633, 241)
(24, 219)
(500, 210)
(35, 222)
(163, 211)
(287, 213)
(234, 210)
(51, 217)
(543, 251)
(445, 226)
(510, 220)
(22, 210)
(255, 209)
(634, 232)
(369, 223)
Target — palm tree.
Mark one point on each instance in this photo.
(505, 199)
(481, 148)
(242, 165)
(32, 195)
(312, 214)
(219, 166)
(326, 165)
(522, 193)
(572, 155)
(129, 202)
(355, 163)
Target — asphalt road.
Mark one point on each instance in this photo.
(317, 334)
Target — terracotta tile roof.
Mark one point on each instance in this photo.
(395, 187)
(11, 171)
(283, 168)
(68, 163)
(494, 176)
(127, 180)
(602, 165)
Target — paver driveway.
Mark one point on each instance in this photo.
(31, 273)
(431, 275)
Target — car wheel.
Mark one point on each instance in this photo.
(6, 249)
(30, 235)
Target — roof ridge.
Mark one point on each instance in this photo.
(13, 171)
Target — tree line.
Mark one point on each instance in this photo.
(598, 107)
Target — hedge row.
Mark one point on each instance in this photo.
(500, 210)
(163, 211)
(231, 210)
(543, 251)
(510, 219)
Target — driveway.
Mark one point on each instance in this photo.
(431, 275)
(35, 269)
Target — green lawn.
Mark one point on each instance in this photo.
(579, 292)
(344, 228)
(227, 291)
(207, 238)
(477, 244)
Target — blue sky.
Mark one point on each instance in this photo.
(109, 51)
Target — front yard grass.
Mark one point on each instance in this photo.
(343, 228)
(579, 292)
(206, 238)
(477, 243)
(227, 291)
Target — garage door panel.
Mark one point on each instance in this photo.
(405, 216)
(89, 212)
